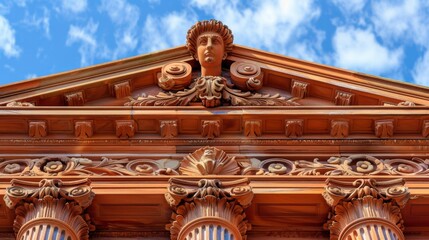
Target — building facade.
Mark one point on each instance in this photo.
(213, 141)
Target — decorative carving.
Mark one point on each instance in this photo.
(37, 129)
(208, 161)
(125, 128)
(211, 91)
(246, 76)
(343, 98)
(74, 99)
(425, 129)
(175, 76)
(210, 128)
(299, 89)
(253, 128)
(208, 207)
(294, 127)
(122, 89)
(339, 128)
(366, 208)
(168, 128)
(406, 104)
(83, 129)
(51, 202)
(384, 128)
(20, 104)
(355, 165)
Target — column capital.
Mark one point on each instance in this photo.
(50, 204)
(208, 206)
(366, 207)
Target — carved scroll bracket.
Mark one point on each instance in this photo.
(208, 207)
(366, 207)
(50, 206)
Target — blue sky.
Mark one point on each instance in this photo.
(383, 38)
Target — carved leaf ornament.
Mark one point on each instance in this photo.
(213, 161)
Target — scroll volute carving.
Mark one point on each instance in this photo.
(48, 205)
(175, 76)
(247, 76)
(208, 208)
(209, 161)
(366, 208)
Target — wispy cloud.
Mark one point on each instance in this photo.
(38, 21)
(125, 16)
(30, 76)
(85, 36)
(359, 50)
(421, 70)
(350, 6)
(7, 39)
(161, 32)
(74, 6)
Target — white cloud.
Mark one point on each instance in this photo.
(402, 20)
(166, 31)
(350, 6)
(125, 16)
(420, 72)
(359, 50)
(39, 21)
(9, 67)
(74, 6)
(86, 37)
(275, 25)
(7, 39)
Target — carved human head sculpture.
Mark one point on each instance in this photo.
(209, 42)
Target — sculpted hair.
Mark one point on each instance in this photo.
(208, 26)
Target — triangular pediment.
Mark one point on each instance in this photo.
(303, 83)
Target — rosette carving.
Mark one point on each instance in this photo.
(246, 76)
(366, 207)
(50, 202)
(208, 205)
(271, 166)
(175, 76)
(208, 161)
(211, 91)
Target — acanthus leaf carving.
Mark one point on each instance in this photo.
(299, 89)
(384, 128)
(339, 128)
(122, 89)
(37, 129)
(212, 91)
(83, 129)
(253, 128)
(75, 98)
(168, 128)
(61, 203)
(125, 128)
(207, 203)
(209, 161)
(210, 129)
(20, 104)
(343, 98)
(294, 127)
(365, 205)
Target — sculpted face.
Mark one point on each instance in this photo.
(210, 50)
(208, 154)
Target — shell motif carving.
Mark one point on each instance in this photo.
(175, 76)
(208, 161)
(247, 76)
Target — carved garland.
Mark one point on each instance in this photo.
(213, 161)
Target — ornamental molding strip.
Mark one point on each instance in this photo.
(50, 208)
(213, 161)
(366, 208)
(208, 209)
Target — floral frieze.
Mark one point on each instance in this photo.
(213, 161)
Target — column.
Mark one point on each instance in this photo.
(366, 209)
(208, 209)
(50, 209)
